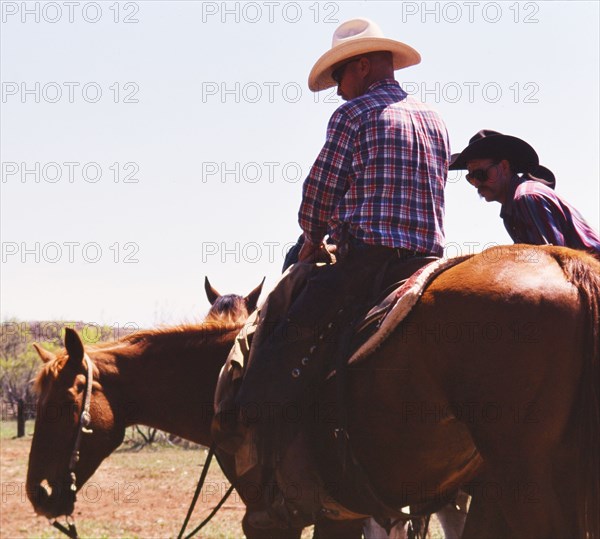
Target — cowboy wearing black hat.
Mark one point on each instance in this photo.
(532, 212)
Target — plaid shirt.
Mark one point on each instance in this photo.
(535, 214)
(381, 172)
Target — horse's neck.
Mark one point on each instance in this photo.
(172, 391)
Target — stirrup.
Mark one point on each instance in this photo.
(279, 515)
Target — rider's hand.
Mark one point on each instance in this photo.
(310, 252)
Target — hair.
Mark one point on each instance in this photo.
(48, 371)
(380, 56)
(229, 309)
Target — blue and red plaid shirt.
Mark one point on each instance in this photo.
(381, 173)
(533, 213)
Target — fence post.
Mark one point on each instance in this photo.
(20, 418)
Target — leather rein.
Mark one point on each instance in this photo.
(201, 482)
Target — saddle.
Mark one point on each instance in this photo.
(398, 301)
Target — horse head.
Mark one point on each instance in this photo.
(232, 307)
(67, 448)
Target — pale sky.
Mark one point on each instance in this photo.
(198, 118)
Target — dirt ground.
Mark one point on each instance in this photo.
(132, 495)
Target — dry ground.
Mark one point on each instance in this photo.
(133, 495)
(141, 494)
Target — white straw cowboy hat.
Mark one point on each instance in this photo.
(352, 38)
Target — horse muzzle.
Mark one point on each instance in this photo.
(51, 500)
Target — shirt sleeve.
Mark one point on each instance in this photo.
(327, 181)
(542, 220)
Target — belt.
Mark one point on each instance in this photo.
(397, 252)
(356, 245)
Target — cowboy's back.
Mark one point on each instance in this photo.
(381, 174)
(535, 214)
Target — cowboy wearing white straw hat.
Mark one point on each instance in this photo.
(357, 37)
(377, 191)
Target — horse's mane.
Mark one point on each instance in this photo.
(229, 309)
(209, 331)
(48, 371)
(191, 334)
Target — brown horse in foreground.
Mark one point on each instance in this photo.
(498, 360)
(164, 378)
(491, 384)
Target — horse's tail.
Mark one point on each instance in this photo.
(583, 271)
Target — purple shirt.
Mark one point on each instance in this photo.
(535, 214)
(381, 173)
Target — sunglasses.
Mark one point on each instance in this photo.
(338, 74)
(479, 175)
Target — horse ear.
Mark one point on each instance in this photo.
(252, 298)
(211, 293)
(45, 355)
(74, 347)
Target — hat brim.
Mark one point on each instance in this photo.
(320, 75)
(543, 175)
(522, 157)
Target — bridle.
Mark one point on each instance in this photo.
(85, 420)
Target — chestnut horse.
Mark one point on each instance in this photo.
(495, 372)
(490, 384)
(164, 378)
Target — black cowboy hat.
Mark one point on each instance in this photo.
(543, 175)
(494, 145)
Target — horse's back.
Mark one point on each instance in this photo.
(524, 273)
